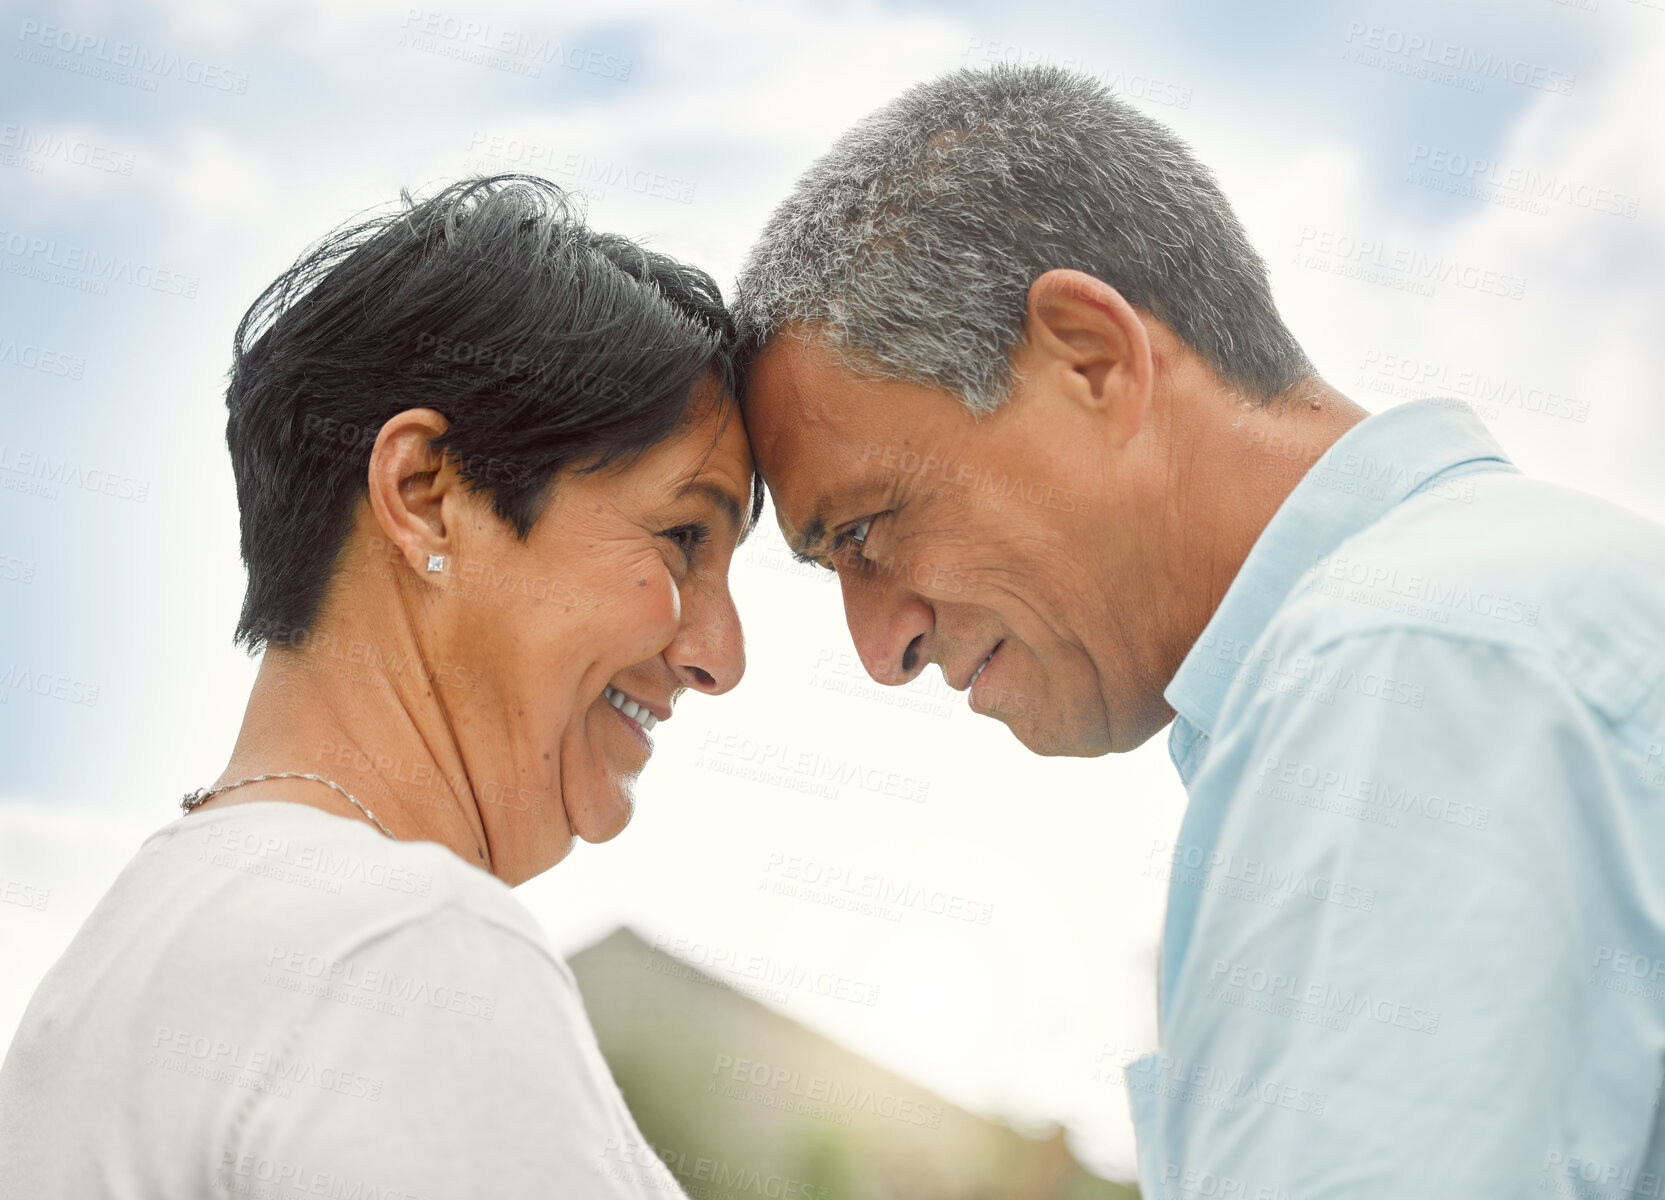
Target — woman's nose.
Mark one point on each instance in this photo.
(708, 652)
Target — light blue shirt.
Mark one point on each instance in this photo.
(1415, 938)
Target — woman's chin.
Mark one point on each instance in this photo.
(605, 819)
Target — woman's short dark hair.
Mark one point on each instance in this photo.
(543, 343)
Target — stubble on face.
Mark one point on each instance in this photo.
(976, 540)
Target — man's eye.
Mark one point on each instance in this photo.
(855, 536)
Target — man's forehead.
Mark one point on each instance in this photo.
(805, 422)
(794, 384)
(826, 434)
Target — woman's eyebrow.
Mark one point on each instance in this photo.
(727, 503)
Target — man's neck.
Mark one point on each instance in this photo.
(1235, 468)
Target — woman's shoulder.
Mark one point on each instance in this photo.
(266, 983)
(268, 914)
(307, 887)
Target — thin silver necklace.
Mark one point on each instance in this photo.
(192, 799)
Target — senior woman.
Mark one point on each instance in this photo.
(491, 479)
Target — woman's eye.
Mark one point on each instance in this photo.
(688, 538)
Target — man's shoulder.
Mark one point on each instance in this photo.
(1504, 561)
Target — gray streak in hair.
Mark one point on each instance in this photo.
(910, 246)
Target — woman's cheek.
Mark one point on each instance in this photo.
(648, 612)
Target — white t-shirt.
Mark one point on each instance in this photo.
(274, 1001)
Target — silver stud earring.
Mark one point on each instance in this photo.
(436, 562)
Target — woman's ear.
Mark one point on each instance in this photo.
(408, 484)
(1085, 335)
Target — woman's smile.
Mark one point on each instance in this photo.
(636, 714)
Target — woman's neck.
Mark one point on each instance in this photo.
(350, 711)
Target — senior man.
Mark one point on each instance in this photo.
(1017, 376)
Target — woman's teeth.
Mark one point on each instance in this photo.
(636, 712)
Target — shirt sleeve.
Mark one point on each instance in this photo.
(450, 1057)
(1381, 990)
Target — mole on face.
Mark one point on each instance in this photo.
(641, 583)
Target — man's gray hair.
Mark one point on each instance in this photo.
(911, 244)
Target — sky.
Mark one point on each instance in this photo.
(161, 162)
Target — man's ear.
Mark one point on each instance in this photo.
(1085, 334)
(408, 485)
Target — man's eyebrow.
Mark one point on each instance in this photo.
(805, 545)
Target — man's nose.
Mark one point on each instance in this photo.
(889, 623)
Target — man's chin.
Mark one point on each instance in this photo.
(1048, 740)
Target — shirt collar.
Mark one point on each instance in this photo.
(1372, 467)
